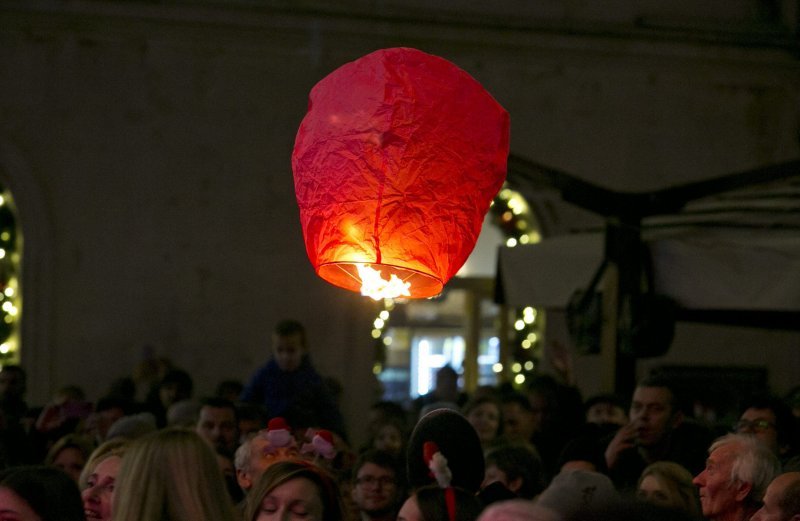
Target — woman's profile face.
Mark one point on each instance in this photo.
(653, 490)
(295, 499)
(13, 507)
(98, 496)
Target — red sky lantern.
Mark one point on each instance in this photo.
(395, 166)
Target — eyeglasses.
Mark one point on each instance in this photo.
(754, 426)
(369, 481)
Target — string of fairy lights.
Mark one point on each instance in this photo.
(10, 242)
(513, 216)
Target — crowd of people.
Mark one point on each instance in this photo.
(277, 447)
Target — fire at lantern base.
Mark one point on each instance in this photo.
(380, 281)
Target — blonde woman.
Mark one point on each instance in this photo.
(669, 485)
(171, 475)
(98, 479)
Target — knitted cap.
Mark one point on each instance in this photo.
(575, 491)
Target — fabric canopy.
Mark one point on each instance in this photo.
(699, 270)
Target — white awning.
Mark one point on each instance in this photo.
(699, 270)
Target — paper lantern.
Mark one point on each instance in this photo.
(395, 166)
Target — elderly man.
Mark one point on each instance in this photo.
(782, 499)
(260, 450)
(738, 469)
(250, 461)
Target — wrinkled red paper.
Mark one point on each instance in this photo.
(395, 164)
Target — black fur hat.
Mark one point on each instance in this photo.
(457, 441)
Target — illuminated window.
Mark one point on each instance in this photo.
(426, 335)
(414, 338)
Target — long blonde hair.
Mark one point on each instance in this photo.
(678, 480)
(171, 475)
(105, 450)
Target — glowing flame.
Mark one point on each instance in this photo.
(373, 285)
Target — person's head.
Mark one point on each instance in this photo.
(429, 503)
(69, 393)
(252, 418)
(39, 493)
(770, 420)
(13, 382)
(484, 414)
(782, 499)
(581, 452)
(289, 345)
(573, 493)
(108, 410)
(519, 421)
(115, 447)
(132, 426)
(668, 484)
(542, 393)
(255, 455)
(606, 409)
(294, 488)
(229, 390)
(383, 409)
(69, 453)
(99, 478)
(738, 469)
(217, 424)
(183, 413)
(654, 411)
(446, 388)
(377, 483)
(517, 510)
(518, 467)
(173, 471)
(389, 435)
(175, 386)
(123, 388)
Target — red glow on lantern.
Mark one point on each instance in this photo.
(395, 165)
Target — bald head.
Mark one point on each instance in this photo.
(782, 499)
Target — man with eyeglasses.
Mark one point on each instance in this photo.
(378, 486)
(771, 421)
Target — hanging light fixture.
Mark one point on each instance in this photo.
(395, 166)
